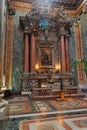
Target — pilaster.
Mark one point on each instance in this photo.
(8, 66)
(79, 52)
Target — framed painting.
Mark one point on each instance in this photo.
(46, 57)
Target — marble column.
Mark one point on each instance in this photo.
(62, 51)
(25, 82)
(32, 52)
(67, 54)
(26, 52)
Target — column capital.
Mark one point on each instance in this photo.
(26, 30)
(62, 31)
(67, 35)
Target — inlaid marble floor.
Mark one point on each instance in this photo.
(47, 118)
(56, 123)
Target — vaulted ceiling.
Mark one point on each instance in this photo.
(67, 4)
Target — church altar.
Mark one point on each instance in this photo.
(41, 86)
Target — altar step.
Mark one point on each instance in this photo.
(42, 97)
(57, 96)
(75, 95)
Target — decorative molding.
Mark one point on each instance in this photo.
(44, 23)
(68, 4)
(22, 6)
(26, 7)
(85, 8)
(77, 11)
(11, 11)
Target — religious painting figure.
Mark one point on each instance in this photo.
(46, 57)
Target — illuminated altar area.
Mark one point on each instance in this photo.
(46, 52)
(46, 39)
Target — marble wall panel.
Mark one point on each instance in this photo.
(18, 53)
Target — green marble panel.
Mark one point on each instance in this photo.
(72, 51)
(84, 34)
(18, 53)
(72, 45)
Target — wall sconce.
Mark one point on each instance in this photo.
(37, 67)
(57, 67)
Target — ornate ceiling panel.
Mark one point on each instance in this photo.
(68, 4)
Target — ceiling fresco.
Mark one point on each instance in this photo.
(68, 4)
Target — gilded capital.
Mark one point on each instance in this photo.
(26, 29)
